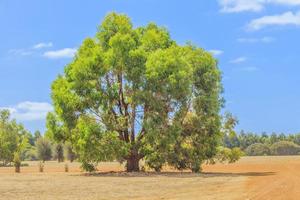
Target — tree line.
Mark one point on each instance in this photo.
(254, 144)
(18, 144)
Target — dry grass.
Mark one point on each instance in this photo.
(247, 179)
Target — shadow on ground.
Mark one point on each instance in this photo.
(175, 174)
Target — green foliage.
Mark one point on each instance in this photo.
(258, 149)
(13, 138)
(285, 148)
(37, 134)
(134, 93)
(55, 130)
(259, 144)
(227, 155)
(44, 149)
(89, 167)
(29, 154)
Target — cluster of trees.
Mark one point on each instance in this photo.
(133, 93)
(18, 144)
(264, 144)
(13, 139)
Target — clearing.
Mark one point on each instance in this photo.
(251, 178)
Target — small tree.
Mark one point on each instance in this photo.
(17, 162)
(37, 134)
(44, 149)
(13, 139)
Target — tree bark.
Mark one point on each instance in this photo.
(133, 162)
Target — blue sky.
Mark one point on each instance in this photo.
(256, 42)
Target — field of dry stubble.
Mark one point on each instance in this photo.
(250, 178)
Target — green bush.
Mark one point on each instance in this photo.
(258, 149)
(89, 167)
(44, 149)
(285, 148)
(225, 154)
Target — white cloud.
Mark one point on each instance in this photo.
(235, 6)
(284, 2)
(288, 18)
(256, 40)
(42, 45)
(30, 50)
(62, 53)
(29, 111)
(216, 52)
(238, 60)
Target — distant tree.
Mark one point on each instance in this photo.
(13, 138)
(30, 138)
(231, 141)
(37, 134)
(70, 154)
(273, 138)
(258, 149)
(59, 152)
(29, 153)
(264, 139)
(282, 137)
(246, 139)
(296, 139)
(285, 148)
(133, 93)
(44, 149)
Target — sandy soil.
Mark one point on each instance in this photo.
(250, 178)
(268, 178)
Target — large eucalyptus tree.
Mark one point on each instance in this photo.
(133, 93)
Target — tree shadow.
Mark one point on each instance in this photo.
(174, 174)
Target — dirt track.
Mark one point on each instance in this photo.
(269, 178)
(252, 178)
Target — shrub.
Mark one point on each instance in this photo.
(89, 167)
(225, 154)
(285, 148)
(44, 151)
(258, 149)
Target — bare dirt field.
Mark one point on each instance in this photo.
(251, 178)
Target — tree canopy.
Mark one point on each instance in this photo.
(133, 93)
(13, 138)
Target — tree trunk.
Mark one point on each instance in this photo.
(18, 167)
(133, 162)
